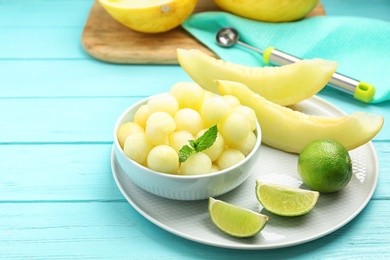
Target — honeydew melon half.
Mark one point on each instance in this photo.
(290, 131)
(284, 85)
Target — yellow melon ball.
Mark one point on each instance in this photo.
(214, 109)
(208, 94)
(246, 145)
(234, 128)
(249, 113)
(141, 115)
(163, 158)
(232, 100)
(215, 150)
(214, 168)
(180, 138)
(127, 129)
(197, 163)
(137, 147)
(189, 120)
(163, 102)
(188, 95)
(159, 126)
(229, 158)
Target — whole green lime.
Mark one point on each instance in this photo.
(325, 165)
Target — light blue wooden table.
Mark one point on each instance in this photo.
(58, 199)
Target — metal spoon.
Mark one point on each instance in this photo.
(228, 37)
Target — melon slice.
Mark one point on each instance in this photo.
(285, 85)
(290, 131)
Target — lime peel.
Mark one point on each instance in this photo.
(235, 221)
(285, 200)
(325, 165)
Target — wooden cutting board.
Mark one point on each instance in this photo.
(107, 40)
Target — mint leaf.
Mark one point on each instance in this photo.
(202, 143)
(192, 143)
(207, 139)
(185, 152)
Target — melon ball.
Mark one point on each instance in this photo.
(249, 113)
(141, 115)
(246, 145)
(232, 100)
(214, 109)
(189, 120)
(229, 157)
(197, 163)
(180, 138)
(127, 129)
(215, 150)
(163, 102)
(234, 127)
(163, 158)
(188, 95)
(137, 147)
(159, 126)
(208, 94)
(214, 168)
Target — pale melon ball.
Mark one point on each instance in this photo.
(188, 95)
(127, 129)
(189, 120)
(159, 126)
(163, 158)
(137, 147)
(141, 115)
(249, 113)
(208, 94)
(214, 109)
(180, 138)
(232, 100)
(197, 163)
(216, 149)
(229, 157)
(214, 168)
(234, 127)
(163, 102)
(246, 146)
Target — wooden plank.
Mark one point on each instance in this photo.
(43, 13)
(46, 43)
(60, 119)
(82, 172)
(114, 230)
(107, 40)
(57, 172)
(84, 78)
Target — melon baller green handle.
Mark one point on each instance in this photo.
(359, 90)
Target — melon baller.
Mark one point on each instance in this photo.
(228, 37)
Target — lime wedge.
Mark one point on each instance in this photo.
(234, 220)
(284, 200)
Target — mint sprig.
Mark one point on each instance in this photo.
(200, 144)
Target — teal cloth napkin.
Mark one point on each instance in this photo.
(361, 46)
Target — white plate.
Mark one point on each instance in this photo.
(191, 220)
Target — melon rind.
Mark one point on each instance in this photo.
(290, 131)
(284, 85)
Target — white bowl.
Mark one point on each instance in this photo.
(180, 187)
